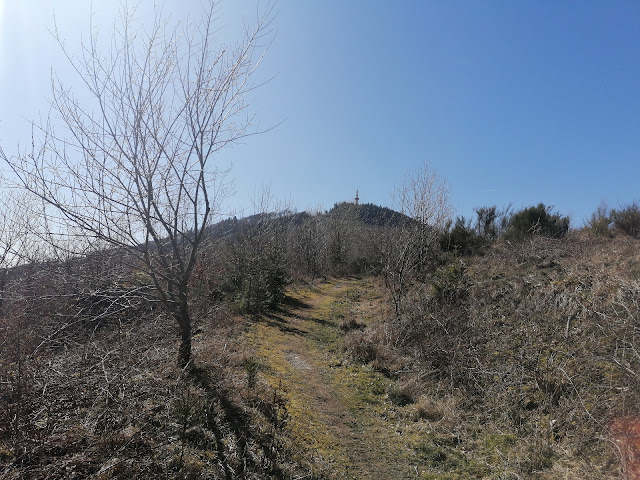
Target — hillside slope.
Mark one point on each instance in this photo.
(520, 363)
(354, 421)
(533, 348)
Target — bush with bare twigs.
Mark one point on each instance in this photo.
(538, 340)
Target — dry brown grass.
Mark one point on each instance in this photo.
(112, 403)
(518, 363)
(538, 340)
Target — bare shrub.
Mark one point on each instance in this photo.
(409, 246)
(540, 342)
(600, 220)
(132, 168)
(362, 346)
(627, 219)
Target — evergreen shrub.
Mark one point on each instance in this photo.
(537, 220)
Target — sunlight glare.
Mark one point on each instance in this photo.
(1, 24)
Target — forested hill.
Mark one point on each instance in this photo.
(367, 214)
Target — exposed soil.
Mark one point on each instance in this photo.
(337, 408)
(626, 434)
(355, 423)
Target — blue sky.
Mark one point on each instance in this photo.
(513, 102)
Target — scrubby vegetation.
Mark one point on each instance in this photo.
(358, 342)
(627, 219)
(538, 220)
(506, 356)
(501, 347)
(90, 387)
(465, 237)
(537, 344)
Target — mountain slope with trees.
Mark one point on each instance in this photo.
(517, 358)
(503, 346)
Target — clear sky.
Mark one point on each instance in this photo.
(513, 102)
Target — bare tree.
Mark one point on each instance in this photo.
(17, 227)
(308, 242)
(407, 244)
(129, 163)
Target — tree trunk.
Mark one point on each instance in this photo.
(184, 321)
(3, 284)
(184, 353)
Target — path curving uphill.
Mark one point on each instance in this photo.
(337, 408)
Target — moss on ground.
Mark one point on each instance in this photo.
(340, 411)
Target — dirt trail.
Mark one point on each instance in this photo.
(337, 407)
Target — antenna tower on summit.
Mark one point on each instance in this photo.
(357, 199)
